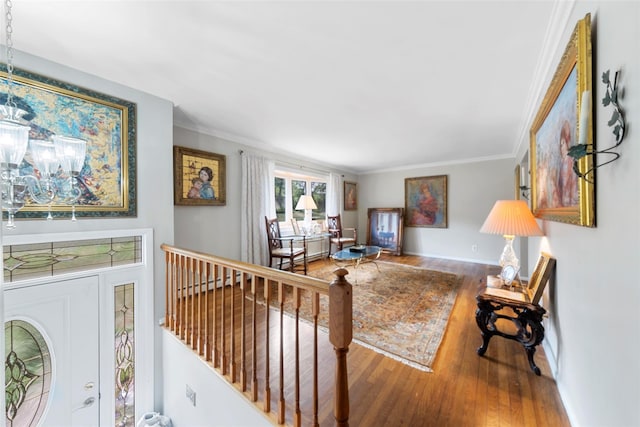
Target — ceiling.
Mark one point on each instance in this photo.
(359, 85)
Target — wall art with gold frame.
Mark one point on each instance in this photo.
(107, 180)
(425, 201)
(350, 196)
(199, 177)
(556, 192)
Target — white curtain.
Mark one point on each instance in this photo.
(334, 194)
(258, 201)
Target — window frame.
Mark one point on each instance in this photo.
(289, 176)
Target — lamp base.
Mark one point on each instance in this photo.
(508, 256)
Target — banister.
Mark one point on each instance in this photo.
(304, 282)
(188, 274)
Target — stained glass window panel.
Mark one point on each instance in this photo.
(27, 374)
(124, 345)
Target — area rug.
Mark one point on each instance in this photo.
(398, 310)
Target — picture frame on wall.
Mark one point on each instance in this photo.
(557, 193)
(350, 196)
(426, 201)
(107, 179)
(199, 177)
(385, 229)
(517, 175)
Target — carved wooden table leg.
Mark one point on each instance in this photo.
(484, 321)
(527, 319)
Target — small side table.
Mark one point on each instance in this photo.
(527, 318)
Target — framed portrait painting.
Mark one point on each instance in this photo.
(106, 183)
(385, 229)
(198, 177)
(425, 201)
(557, 193)
(350, 196)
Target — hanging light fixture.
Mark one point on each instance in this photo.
(58, 162)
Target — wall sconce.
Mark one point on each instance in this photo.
(524, 191)
(56, 163)
(582, 149)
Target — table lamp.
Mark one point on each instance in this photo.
(306, 203)
(511, 218)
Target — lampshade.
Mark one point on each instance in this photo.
(14, 138)
(511, 218)
(306, 202)
(44, 157)
(71, 152)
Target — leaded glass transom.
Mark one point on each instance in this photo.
(30, 261)
(27, 374)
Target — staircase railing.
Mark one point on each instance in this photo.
(223, 310)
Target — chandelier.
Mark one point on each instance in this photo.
(56, 162)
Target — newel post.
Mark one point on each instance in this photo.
(340, 335)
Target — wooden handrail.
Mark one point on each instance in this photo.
(206, 299)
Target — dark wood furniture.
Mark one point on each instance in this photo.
(338, 237)
(283, 247)
(498, 305)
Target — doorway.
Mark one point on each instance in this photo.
(52, 344)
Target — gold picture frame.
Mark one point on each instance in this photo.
(107, 180)
(541, 275)
(557, 194)
(199, 178)
(425, 201)
(350, 196)
(516, 174)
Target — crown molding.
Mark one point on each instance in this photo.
(552, 48)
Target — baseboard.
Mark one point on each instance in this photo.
(471, 260)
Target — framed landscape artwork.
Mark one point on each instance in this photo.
(198, 177)
(350, 196)
(385, 229)
(107, 180)
(426, 201)
(557, 194)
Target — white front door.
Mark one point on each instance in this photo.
(51, 335)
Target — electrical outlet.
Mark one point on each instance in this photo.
(191, 395)
(474, 248)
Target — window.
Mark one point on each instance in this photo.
(289, 186)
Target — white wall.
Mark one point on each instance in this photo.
(211, 229)
(473, 188)
(593, 329)
(217, 402)
(215, 229)
(154, 186)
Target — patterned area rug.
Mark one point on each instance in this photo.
(400, 311)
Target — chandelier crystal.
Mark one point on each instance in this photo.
(56, 163)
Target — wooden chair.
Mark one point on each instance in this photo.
(522, 307)
(337, 238)
(283, 248)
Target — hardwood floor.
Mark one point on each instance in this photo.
(464, 389)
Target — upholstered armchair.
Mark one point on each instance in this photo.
(338, 237)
